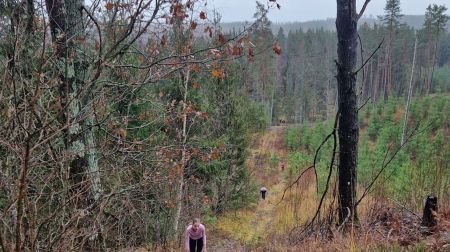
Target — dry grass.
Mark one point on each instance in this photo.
(238, 226)
(399, 114)
(298, 206)
(268, 224)
(252, 226)
(266, 227)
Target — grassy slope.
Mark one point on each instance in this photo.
(266, 226)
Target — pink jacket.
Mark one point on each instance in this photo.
(195, 235)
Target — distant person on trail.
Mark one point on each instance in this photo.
(195, 237)
(282, 165)
(263, 191)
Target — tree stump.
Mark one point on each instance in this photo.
(429, 212)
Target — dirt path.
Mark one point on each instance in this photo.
(247, 229)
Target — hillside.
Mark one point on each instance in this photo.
(415, 21)
(389, 219)
(125, 125)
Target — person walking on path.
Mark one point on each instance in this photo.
(195, 237)
(282, 165)
(263, 191)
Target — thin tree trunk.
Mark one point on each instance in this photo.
(179, 197)
(21, 195)
(92, 158)
(426, 82)
(30, 17)
(271, 106)
(388, 72)
(376, 85)
(430, 86)
(405, 123)
(370, 87)
(404, 62)
(385, 75)
(346, 26)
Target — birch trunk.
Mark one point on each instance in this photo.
(405, 123)
(179, 197)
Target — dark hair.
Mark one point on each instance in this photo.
(195, 220)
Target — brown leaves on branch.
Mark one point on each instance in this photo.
(202, 15)
(237, 50)
(209, 31)
(177, 11)
(193, 25)
(217, 73)
(251, 54)
(195, 68)
(109, 6)
(221, 38)
(277, 48)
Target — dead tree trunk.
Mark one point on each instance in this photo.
(346, 25)
(405, 123)
(429, 212)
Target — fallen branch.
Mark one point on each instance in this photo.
(403, 207)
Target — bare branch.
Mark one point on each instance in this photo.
(361, 12)
(386, 163)
(330, 171)
(370, 57)
(314, 162)
(364, 104)
(100, 49)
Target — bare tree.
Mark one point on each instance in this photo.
(346, 25)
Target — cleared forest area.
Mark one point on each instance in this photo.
(143, 125)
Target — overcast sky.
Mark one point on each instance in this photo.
(304, 10)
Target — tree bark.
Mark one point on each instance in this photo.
(30, 17)
(346, 25)
(66, 29)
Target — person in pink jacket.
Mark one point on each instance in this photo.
(195, 237)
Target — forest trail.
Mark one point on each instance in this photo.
(257, 226)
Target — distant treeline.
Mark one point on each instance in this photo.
(415, 21)
(300, 85)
